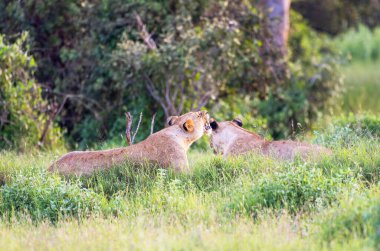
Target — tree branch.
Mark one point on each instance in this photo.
(137, 128)
(128, 128)
(152, 124)
(51, 119)
(204, 100)
(144, 34)
(153, 92)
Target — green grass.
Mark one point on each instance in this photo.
(244, 203)
(360, 48)
(361, 87)
(360, 44)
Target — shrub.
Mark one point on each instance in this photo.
(24, 114)
(355, 142)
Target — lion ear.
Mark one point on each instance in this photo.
(171, 120)
(238, 122)
(188, 125)
(213, 124)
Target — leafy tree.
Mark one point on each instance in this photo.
(24, 114)
(94, 63)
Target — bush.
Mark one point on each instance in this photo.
(353, 140)
(24, 114)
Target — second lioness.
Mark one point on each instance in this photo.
(166, 148)
(229, 138)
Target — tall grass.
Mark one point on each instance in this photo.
(248, 202)
(361, 50)
(360, 44)
(361, 87)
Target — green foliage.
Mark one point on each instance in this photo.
(355, 215)
(195, 60)
(71, 42)
(24, 114)
(376, 224)
(361, 82)
(206, 51)
(41, 197)
(349, 130)
(301, 188)
(357, 138)
(361, 44)
(313, 80)
(127, 177)
(361, 51)
(364, 125)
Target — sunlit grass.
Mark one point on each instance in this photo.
(244, 203)
(361, 87)
(147, 233)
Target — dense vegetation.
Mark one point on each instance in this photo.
(24, 113)
(92, 62)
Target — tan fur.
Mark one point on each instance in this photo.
(166, 148)
(230, 139)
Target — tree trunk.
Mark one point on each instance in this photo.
(277, 22)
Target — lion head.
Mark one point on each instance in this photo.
(223, 133)
(192, 125)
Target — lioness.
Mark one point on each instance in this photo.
(229, 138)
(166, 148)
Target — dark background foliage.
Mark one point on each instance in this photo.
(336, 16)
(92, 61)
